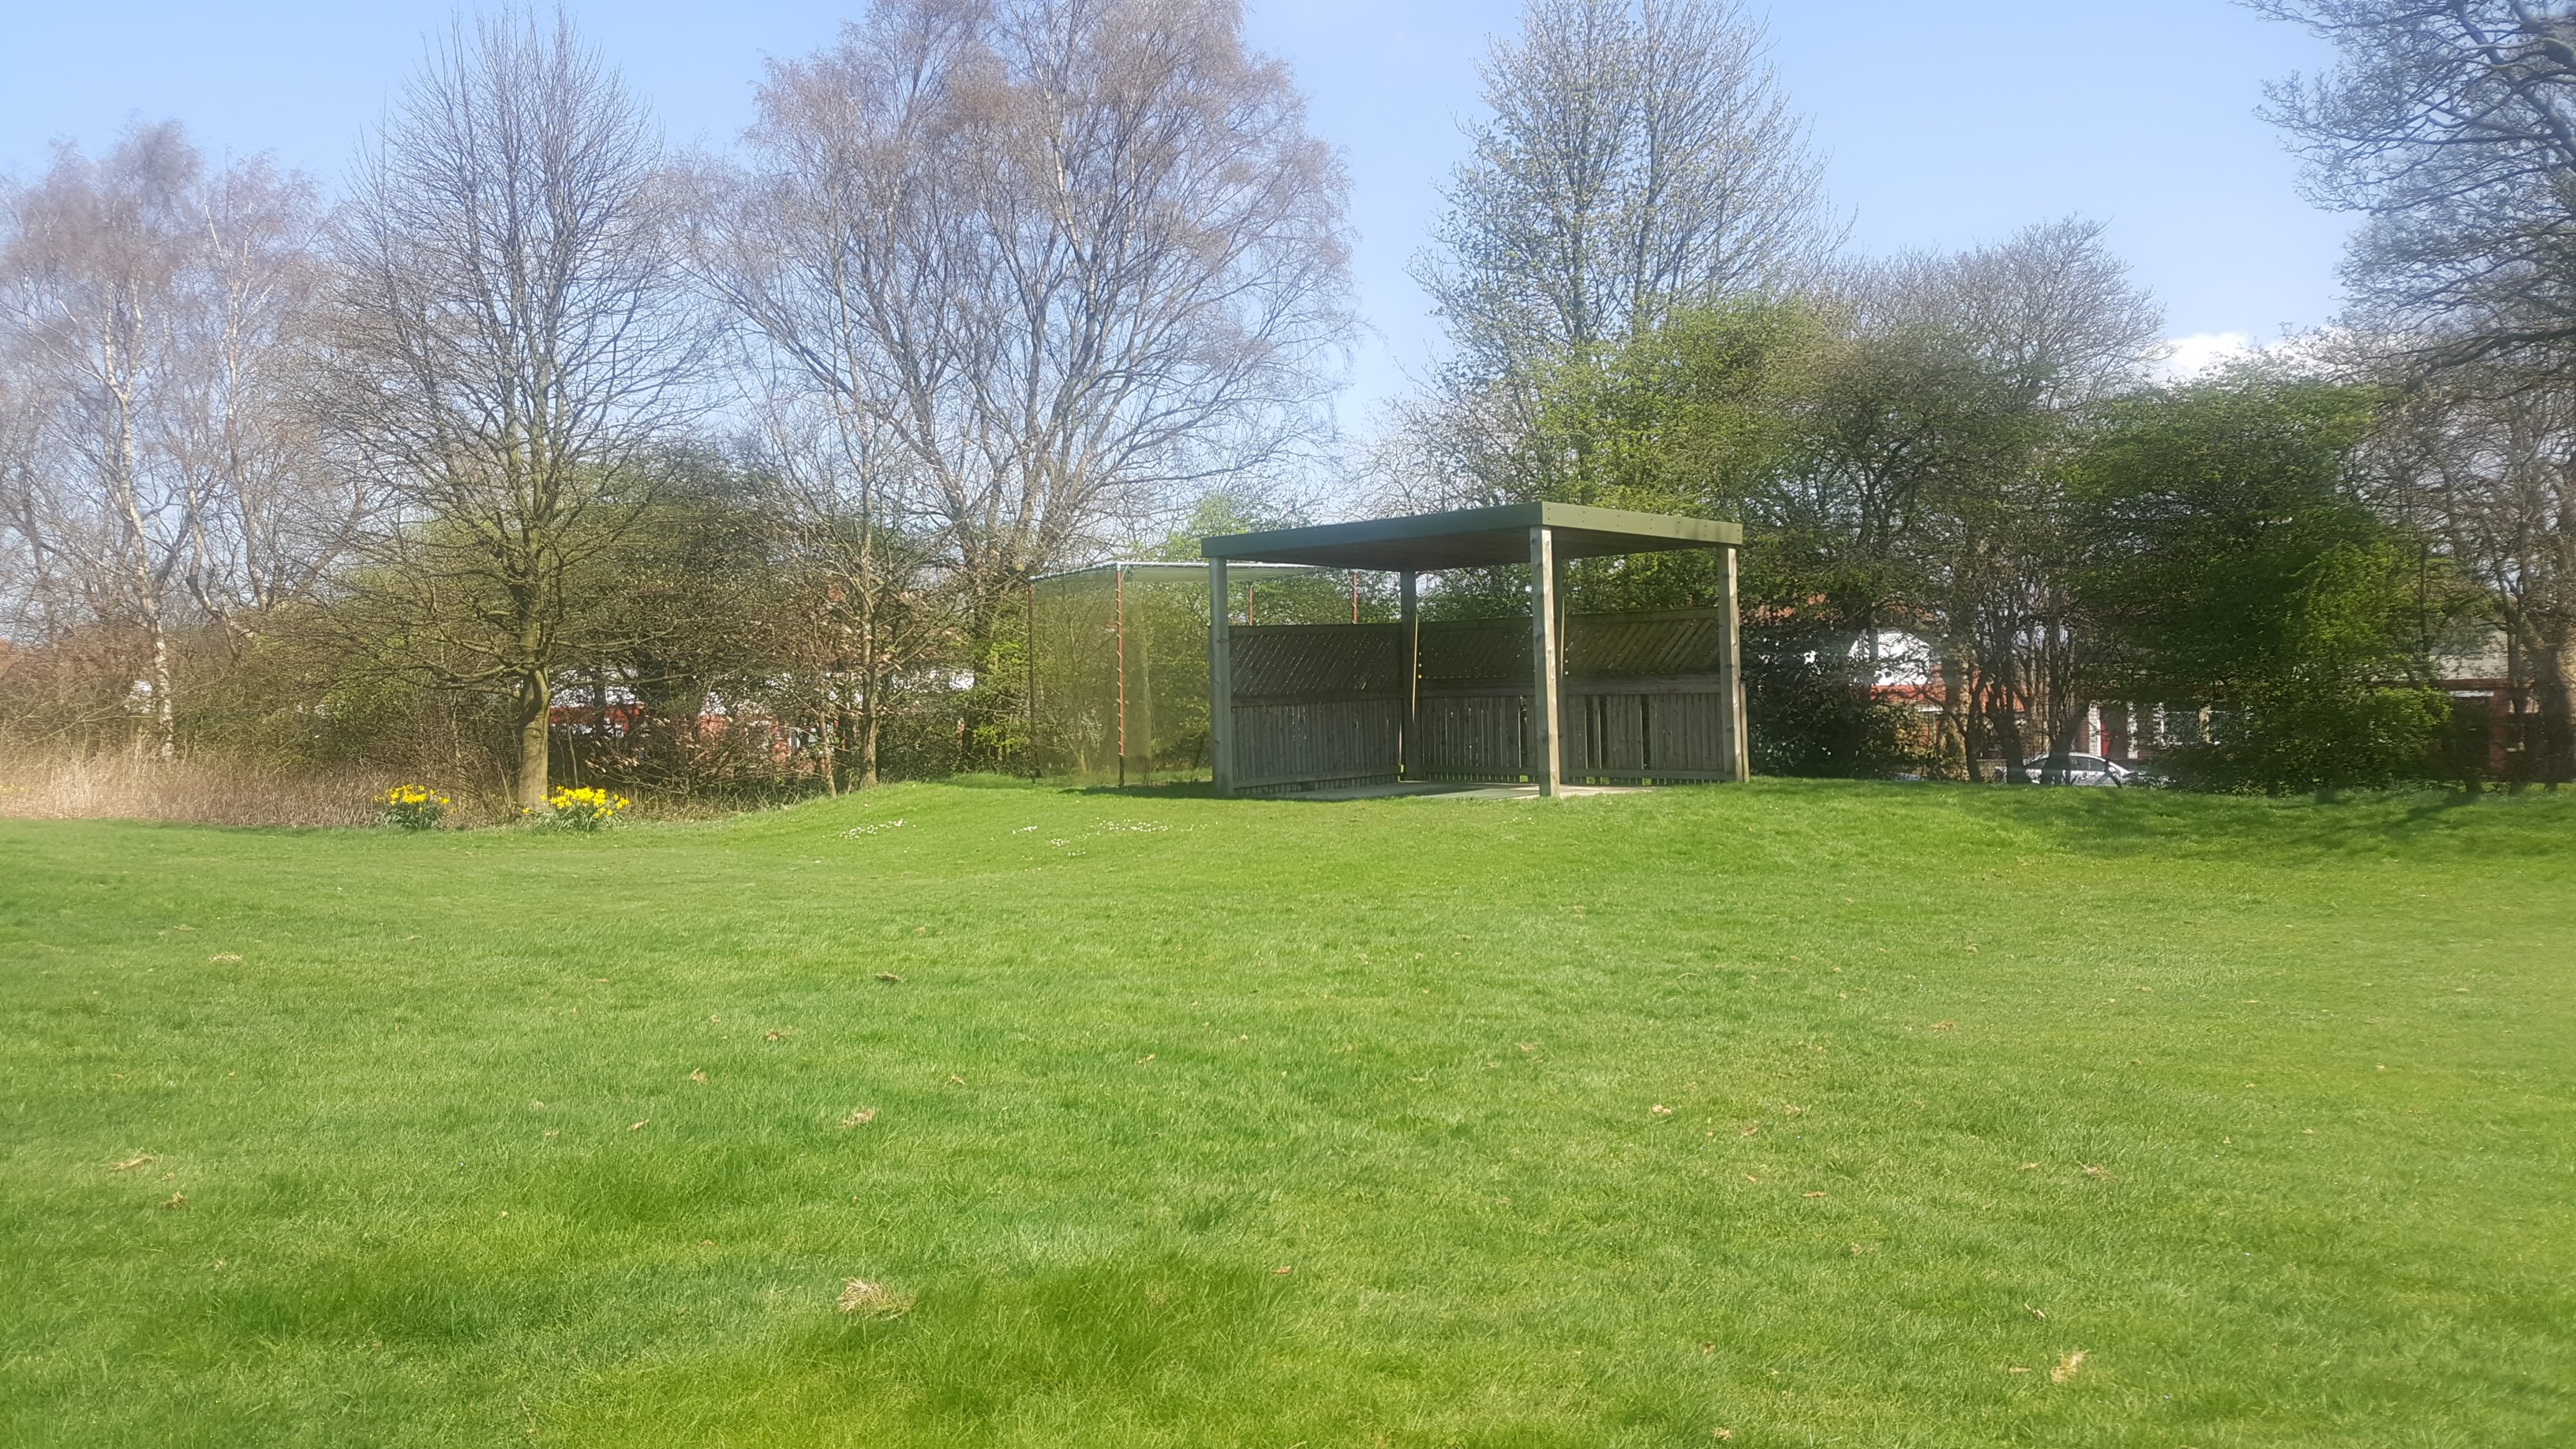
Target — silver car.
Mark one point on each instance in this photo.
(2087, 770)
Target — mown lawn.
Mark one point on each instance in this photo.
(1822, 1114)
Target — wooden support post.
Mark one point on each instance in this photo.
(1220, 681)
(1732, 743)
(1408, 624)
(1118, 581)
(1030, 650)
(1547, 761)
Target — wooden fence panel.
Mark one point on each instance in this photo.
(1316, 705)
(1320, 705)
(1475, 734)
(1476, 651)
(1673, 641)
(1318, 743)
(1669, 728)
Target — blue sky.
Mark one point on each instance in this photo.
(1945, 123)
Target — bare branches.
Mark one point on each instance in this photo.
(1639, 157)
(2451, 124)
(1070, 255)
(508, 344)
(149, 316)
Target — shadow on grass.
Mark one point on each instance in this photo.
(2415, 822)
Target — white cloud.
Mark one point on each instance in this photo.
(2191, 356)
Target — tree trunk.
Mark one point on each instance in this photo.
(535, 701)
(147, 589)
(2061, 740)
(1958, 705)
(165, 728)
(2553, 753)
(868, 742)
(871, 691)
(2005, 722)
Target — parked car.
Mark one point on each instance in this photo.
(2091, 770)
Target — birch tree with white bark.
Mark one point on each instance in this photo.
(157, 475)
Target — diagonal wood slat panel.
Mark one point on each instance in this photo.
(1679, 641)
(1275, 662)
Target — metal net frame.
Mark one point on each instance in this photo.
(1118, 663)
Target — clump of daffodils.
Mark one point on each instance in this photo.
(585, 809)
(414, 807)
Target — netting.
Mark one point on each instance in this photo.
(1119, 687)
(1119, 672)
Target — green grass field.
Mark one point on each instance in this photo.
(1821, 1114)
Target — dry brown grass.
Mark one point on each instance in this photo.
(872, 1300)
(56, 785)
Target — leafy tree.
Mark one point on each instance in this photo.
(2233, 567)
(1755, 410)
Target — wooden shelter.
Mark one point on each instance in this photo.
(1548, 699)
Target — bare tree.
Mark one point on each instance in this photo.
(509, 343)
(1072, 256)
(1640, 156)
(96, 262)
(2490, 474)
(787, 249)
(857, 585)
(2049, 321)
(269, 522)
(2450, 125)
(2049, 309)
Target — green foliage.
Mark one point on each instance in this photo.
(445, 1170)
(2232, 567)
(1852, 458)
(1220, 511)
(1690, 418)
(1808, 711)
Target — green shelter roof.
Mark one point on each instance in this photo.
(1467, 537)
